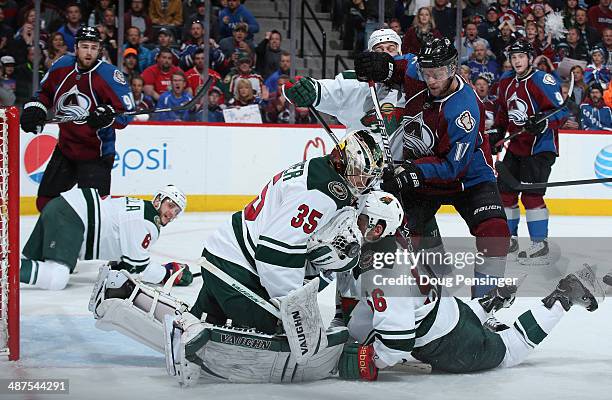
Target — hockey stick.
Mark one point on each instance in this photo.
(509, 179)
(187, 106)
(544, 117)
(239, 287)
(320, 119)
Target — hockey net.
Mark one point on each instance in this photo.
(9, 232)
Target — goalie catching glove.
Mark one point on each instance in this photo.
(102, 117)
(183, 279)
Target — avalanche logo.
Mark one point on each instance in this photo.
(73, 104)
(603, 164)
(37, 155)
(419, 140)
(517, 110)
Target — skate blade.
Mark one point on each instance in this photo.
(534, 261)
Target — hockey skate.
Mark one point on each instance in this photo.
(581, 288)
(496, 299)
(608, 278)
(536, 254)
(514, 245)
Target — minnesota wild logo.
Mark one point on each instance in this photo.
(391, 114)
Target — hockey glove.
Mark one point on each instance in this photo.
(406, 177)
(302, 93)
(532, 126)
(371, 66)
(33, 117)
(184, 279)
(103, 116)
(357, 362)
(496, 137)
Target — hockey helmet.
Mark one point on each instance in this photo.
(520, 46)
(173, 193)
(378, 205)
(382, 36)
(438, 53)
(359, 159)
(88, 33)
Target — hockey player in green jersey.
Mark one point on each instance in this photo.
(81, 225)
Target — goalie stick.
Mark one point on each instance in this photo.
(186, 106)
(562, 107)
(505, 176)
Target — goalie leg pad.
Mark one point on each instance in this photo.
(121, 303)
(224, 354)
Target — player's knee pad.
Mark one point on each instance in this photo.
(492, 237)
(533, 201)
(509, 199)
(120, 302)
(52, 275)
(223, 354)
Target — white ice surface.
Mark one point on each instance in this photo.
(59, 340)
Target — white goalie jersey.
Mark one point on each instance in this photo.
(269, 237)
(117, 229)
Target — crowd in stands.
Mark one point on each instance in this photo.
(163, 51)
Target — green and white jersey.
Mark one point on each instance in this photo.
(268, 238)
(116, 228)
(397, 310)
(350, 102)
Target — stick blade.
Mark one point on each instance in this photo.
(504, 175)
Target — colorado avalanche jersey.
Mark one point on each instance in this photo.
(521, 98)
(268, 238)
(116, 229)
(72, 92)
(444, 136)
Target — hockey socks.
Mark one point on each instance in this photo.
(48, 275)
(513, 214)
(537, 223)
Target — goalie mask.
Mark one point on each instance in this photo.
(379, 206)
(359, 159)
(336, 245)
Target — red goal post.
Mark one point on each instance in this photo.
(9, 232)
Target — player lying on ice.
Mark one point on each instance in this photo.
(254, 270)
(82, 225)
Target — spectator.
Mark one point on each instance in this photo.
(165, 39)
(543, 63)
(23, 77)
(606, 44)
(445, 18)
(130, 64)
(157, 77)
(6, 32)
(29, 22)
(245, 95)
(268, 54)
(577, 50)
(588, 33)
(545, 42)
(195, 42)
(237, 43)
(569, 13)
(141, 100)
(503, 40)
(234, 14)
(597, 71)
(279, 110)
(215, 105)
(168, 13)
(97, 15)
(272, 83)
(481, 87)
(106, 46)
(372, 15)
(465, 73)
(467, 44)
(507, 14)
(137, 17)
(10, 9)
(109, 20)
(194, 75)
(303, 116)
(396, 27)
(133, 37)
(7, 96)
(573, 120)
(200, 15)
(56, 47)
(52, 14)
(531, 35)
(580, 88)
(7, 80)
(354, 26)
(480, 64)
(594, 113)
(244, 72)
(176, 96)
(474, 8)
(423, 30)
(73, 22)
(489, 28)
(600, 16)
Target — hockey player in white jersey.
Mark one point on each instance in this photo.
(81, 225)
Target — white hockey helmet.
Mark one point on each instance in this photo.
(382, 36)
(359, 159)
(173, 193)
(377, 205)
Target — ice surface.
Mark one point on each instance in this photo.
(59, 340)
